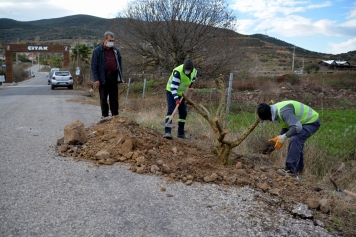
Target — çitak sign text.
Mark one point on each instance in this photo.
(37, 47)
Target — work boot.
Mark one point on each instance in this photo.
(182, 136)
(168, 135)
(285, 172)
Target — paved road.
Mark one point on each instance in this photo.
(42, 194)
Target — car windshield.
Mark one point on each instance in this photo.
(62, 73)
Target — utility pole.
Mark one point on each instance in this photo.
(293, 59)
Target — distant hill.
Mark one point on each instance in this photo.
(264, 55)
(70, 27)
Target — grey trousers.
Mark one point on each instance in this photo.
(295, 157)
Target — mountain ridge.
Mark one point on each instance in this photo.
(70, 29)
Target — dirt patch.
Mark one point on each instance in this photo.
(121, 140)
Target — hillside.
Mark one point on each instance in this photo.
(259, 54)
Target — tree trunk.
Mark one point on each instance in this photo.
(224, 151)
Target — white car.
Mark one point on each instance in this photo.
(50, 74)
(61, 79)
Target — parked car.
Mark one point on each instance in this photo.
(50, 74)
(61, 79)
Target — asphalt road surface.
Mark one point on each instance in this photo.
(43, 194)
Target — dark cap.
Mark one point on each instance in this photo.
(264, 111)
(188, 64)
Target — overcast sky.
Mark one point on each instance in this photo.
(316, 25)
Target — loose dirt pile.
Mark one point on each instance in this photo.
(121, 140)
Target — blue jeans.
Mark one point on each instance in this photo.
(295, 157)
(182, 110)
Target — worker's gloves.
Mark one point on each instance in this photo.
(177, 102)
(279, 141)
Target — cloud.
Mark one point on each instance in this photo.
(347, 46)
(30, 10)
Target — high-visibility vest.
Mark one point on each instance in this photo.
(185, 81)
(304, 113)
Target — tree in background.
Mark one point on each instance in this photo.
(312, 67)
(163, 33)
(81, 54)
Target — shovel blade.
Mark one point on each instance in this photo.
(169, 125)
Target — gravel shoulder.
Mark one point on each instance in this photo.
(43, 194)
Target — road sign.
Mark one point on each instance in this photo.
(3, 66)
(77, 71)
(2, 78)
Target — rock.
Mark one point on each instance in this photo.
(74, 133)
(263, 186)
(159, 162)
(190, 177)
(140, 160)
(126, 147)
(163, 189)
(102, 155)
(189, 182)
(154, 168)
(153, 152)
(312, 203)
(184, 166)
(140, 170)
(63, 148)
(60, 141)
(129, 155)
(109, 161)
(302, 211)
(166, 169)
(324, 206)
(230, 179)
(211, 178)
(122, 158)
(274, 192)
(174, 149)
(241, 172)
(238, 165)
(319, 223)
(184, 179)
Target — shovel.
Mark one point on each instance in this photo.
(169, 124)
(344, 192)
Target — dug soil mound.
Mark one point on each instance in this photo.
(121, 140)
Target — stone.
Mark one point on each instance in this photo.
(140, 170)
(140, 160)
(129, 155)
(274, 192)
(189, 182)
(63, 148)
(263, 186)
(102, 155)
(190, 177)
(74, 133)
(312, 203)
(166, 169)
(154, 168)
(324, 206)
(238, 165)
(153, 152)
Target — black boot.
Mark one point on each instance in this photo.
(167, 131)
(181, 133)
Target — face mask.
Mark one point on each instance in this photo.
(109, 44)
(187, 72)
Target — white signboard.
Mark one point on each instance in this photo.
(2, 78)
(77, 71)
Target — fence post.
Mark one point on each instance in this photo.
(144, 88)
(229, 98)
(128, 88)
